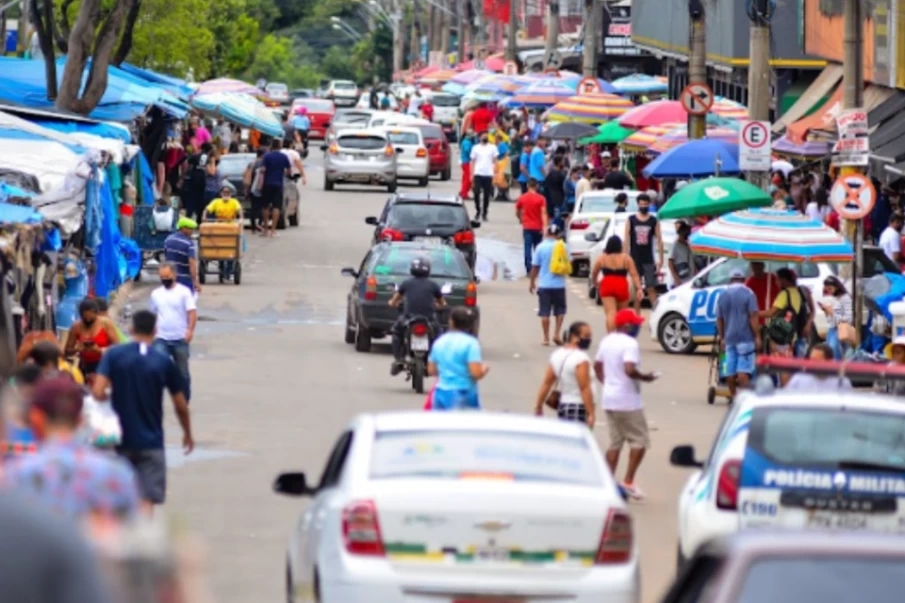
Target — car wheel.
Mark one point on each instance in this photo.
(328, 184)
(446, 174)
(391, 187)
(674, 335)
(202, 272)
(350, 330)
(418, 375)
(423, 181)
(237, 273)
(362, 339)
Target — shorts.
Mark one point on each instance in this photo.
(272, 197)
(551, 301)
(648, 273)
(455, 399)
(151, 470)
(627, 426)
(615, 286)
(572, 412)
(740, 358)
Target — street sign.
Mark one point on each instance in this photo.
(697, 99)
(510, 68)
(589, 85)
(754, 146)
(853, 196)
(852, 147)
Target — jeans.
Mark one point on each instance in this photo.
(839, 348)
(532, 239)
(456, 399)
(482, 184)
(178, 350)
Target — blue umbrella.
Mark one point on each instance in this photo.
(695, 159)
(241, 109)
(638, 83)
(605, 86)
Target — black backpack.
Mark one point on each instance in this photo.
(784, 327)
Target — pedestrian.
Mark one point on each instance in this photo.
(302, 125)
(427, 110)
(531, 212)
(46, 355)
(537, 164)
(837, 305)
(194, 181)
(290, 135)
(614, 292)
(138, 374)
(554, 189)
(483, 163)
(819, 208)
(791, 317)
(34, 338)
(212, 179)
(617, 367)
(465, 147)
(90, 337)
(502, 170)
(419, 296)
(516, 150)
(253, 186)
(550, 287)
(681, 258)
(621, 200)
(456, 359)
(177, 315)
(584, 183)
(567, 380)
(570, 189)
(641, 230)
(765, 286)
(277, 167)
(523, 165)
(617, 178)
(738, 330)
(415, 103)
(224, 134)
(891, 239)
(808, 382)
(179, 250)
(66, 476)
(481, 119)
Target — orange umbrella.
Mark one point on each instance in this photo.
(590, 108)
(439, 77)
(641, 140)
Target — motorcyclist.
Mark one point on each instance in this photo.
(419, 296)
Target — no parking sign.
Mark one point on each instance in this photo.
(754, 146)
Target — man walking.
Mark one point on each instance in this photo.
(138, 375)
(179, 250)
(177, 316)
(483, 164)
(641, 230)
(537, 163)
(738, 329)
(465, 146)
(276, 167)
(523, 165)
(550, 288)
(617, 367)
(456, 359)
(531, 212)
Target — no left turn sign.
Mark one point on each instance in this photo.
(697, 99)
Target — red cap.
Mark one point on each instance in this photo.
(627, 316)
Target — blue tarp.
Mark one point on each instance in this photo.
(147, 180)
(8, 190)
(174, 85)
(19, 214)
(73, 127)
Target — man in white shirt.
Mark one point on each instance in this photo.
(616, 367)
(174, 305)
(483, 162)
(415, 104)
(584, 183)
(291, 191)
(891, 238)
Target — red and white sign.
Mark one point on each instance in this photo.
(853, 196)
(853, 145)
(754, 146)
(589, 85)
(620, 29)
(852, 123)
(510, 68)
(697, 99)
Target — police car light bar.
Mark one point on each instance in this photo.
(857, 371)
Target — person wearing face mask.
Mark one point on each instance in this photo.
(567, 381)
(617, 367)
(89, 337)
(483, 164)
(642, 230)
(177, 314)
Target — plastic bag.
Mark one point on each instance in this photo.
(559, 260)
(100, 423)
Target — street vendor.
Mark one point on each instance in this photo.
(225, 208)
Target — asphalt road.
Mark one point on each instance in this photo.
(274, 384)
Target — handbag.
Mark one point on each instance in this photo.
(553, 397)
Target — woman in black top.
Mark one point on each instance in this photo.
(553, 185)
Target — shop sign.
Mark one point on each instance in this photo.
(852, 148)
(618, 29)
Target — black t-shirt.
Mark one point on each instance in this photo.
(642, 234)
(618, 180)
(288, 133)
(553, 184)
(419, 296)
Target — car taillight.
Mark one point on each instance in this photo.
(727, 486)
(333, 149)
(616, 540)
(471, 295)
(388, 151)
(419, 330)
(371, 288)
(361, 530)
(388, 234)
(464, 238)
(422, 152)
(578, 224)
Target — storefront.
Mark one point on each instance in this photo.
(620, 56)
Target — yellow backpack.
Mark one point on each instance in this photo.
(559, 260)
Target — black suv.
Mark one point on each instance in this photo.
(428, 218)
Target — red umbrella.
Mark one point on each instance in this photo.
(654, 114)
(426, 71)
(493, 63)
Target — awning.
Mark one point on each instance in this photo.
(821, 120)
(819, 88)
(888, 143)
(891, 107)
(873, 97)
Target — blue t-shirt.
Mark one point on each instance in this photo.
(569, 191)
(522, 161)
(301, 123)
(536, 164)
(452, 353)
(138, 375)
(275, 164)
(543, 253)
(465, 151)
(178, 249)
(735, 306)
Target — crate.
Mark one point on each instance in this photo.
(219, 241)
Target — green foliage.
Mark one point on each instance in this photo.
(235, 34)
(167, 38)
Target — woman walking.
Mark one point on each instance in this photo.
(617, 266)
(567, 381)
(837, 305)
(90, 337)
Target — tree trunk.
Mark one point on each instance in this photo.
(42, 17)
(125, 45)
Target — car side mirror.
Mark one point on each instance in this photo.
(683, 456)
(475, 224)
(372, 220)
(293, 484)
(349, 272)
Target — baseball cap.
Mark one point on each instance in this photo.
(606, 154)
(627, 316)
(186, 223)
(736, 274)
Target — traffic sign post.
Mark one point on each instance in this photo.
(697, 99)
(853, 196)
(754, 146)
(589, 85)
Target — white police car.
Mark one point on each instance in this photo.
(794, 460)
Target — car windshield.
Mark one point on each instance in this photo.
(823, 579)
(277, 88)
(404, 138)
(719, 275)
(445, 261)
(353, 118)
(431, 132)
(362, 142)
(235, 163)
(444, 100)
(344, 85)
(419, 216)
(315, 105)
(829, 436)
(524, 457)
(604, 204)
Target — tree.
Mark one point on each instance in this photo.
(236, 34)
(169, 37)
(273, 61)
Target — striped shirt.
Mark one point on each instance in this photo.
(179, 249)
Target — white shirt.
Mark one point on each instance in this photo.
(817, 213)
(294, 160)
(483, 156)
(415, 105)
(891, 242)
(172, 307)
(811, 383)
(564, 362)
(620, 392)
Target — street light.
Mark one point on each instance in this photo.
(340, 24)
(352, 34)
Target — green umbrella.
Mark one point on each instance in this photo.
(714, 197)
(609, 133)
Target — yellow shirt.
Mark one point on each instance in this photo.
(77, 376)
(224, 209)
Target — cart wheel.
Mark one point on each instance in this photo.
(711, 395)
(202, 272)
(237, 273)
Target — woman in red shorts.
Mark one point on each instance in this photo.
(614, 290)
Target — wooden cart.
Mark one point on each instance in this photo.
(220, 242)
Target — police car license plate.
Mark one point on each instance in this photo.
(829, 520)
(420, 344)
(491, 554)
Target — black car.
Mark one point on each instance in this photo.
(427, 218)
(300, 93)
(232, 166)
(368, 313)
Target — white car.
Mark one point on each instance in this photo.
(412, 161)
(793, 460)
(364, 101)
(446, 112)
(343, 93)
(277, 92)
(391, 118)
(593, 207)
(441, 507)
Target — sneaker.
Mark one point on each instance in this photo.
(396, 368)
(634, 492)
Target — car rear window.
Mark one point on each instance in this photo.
(430, 132)
(444, 100)
(427, 215)
(445, 261)
(504, 454)
(363, 142)
(404, 138)
(315, 104)
(277, 88)
(344, 86)
(827, 436)
(823, 579)
(604, 204)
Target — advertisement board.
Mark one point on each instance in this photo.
(617, 32)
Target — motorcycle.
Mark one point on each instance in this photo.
(419, 335)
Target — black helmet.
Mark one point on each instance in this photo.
(420, 267)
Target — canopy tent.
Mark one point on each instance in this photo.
(68, 123)
(241, 109)
(173, 85)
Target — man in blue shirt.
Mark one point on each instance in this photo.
(179, 250)
(465, 146)
(456, 358)
(276, 168)
(523, 165)
(302, 123)
(739, 330)
(550, 288)
(537, 161)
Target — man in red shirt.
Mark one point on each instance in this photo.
(760, 281)
(427, 110)
(531, 211)
(481, 119)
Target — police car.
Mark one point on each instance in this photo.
(797, 461)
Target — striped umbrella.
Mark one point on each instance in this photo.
(225, 84)
(641, 140)
(638, 83)
(590, 108)
(438, 77)
(679, 135)
(729, 109)
(769, 235)
(467, 77)
(811, 148)
(500, 84)
(541, 94)
(241, 109)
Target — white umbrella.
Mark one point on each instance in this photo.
(780, 165)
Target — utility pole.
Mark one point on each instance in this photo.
(759, 74)
(512, 31)
(460, 31)
(444, 34)
(853, 98)
(697, 61)
(397, 38)
(415, 39)
(552, 30)
(589, 49)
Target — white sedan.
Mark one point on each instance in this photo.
(592, 208)
(453, 507)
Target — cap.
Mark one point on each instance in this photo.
(606, 154)
(186, 223)
(554, 229)
(681, 184)
(900, 340)
(627, 316)
(736, 274)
